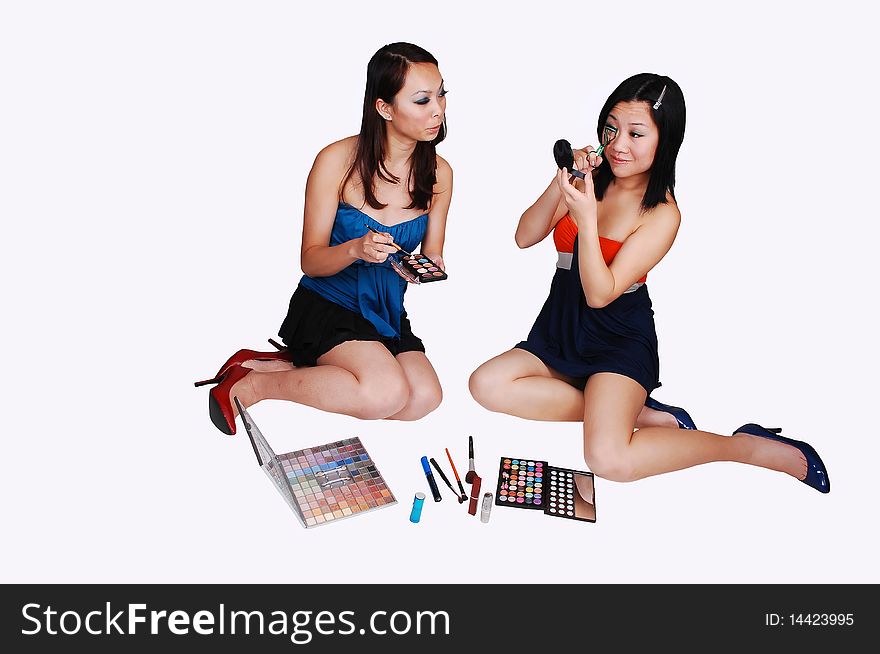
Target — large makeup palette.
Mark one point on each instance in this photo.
(420, 269)
(558, 492)
(325, 483)
(521, 483)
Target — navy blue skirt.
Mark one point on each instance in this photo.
(577, 340)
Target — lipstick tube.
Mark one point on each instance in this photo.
(487, 507)
(475, 495)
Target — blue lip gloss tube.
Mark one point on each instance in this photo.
(416, 514)
(431, 481)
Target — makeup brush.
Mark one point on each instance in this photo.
(392, 244)
(444, 478)
(469, 477)
(457, 478)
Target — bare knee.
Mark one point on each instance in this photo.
(487, 387)
(423, 399)
(378, 399)
(611, 462)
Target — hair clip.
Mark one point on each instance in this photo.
(660, 99)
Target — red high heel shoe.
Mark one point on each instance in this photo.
(247, 355)
(219, 401)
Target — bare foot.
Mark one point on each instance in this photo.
(243, 389)
(776, 456)
(654, 418)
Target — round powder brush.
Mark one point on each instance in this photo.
(471, 474)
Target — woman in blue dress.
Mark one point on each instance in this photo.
(591, 355)
(349, 347)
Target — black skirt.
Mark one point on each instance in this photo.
(315, 325)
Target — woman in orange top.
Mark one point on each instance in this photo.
(592, 353)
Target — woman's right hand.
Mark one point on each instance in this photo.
(581, 205)
(586, 159)
(372, 247)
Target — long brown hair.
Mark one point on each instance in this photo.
(386, 74)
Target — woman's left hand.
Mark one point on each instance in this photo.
(401, 271)
(581, 204)
(438, 259)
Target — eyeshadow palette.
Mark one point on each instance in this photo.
(325, 483)
(558, 492)
(521, 483)
(419, 268)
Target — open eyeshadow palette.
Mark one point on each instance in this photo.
(325, 483)
(419, 268)
(559, 492)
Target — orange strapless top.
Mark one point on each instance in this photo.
(565, 234)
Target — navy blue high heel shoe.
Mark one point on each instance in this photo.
(681, 416)
(817, 476)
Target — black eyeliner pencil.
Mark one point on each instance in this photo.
(443, 477)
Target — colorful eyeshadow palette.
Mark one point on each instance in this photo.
(558, 492)
(325, 483)
(521, 483)
(420, 269)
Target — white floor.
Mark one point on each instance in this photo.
(153, 167)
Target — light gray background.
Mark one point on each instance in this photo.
(152, 168)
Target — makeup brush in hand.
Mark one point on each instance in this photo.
(392, 244)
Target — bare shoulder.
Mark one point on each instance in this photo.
(444, 170)
(443, 183)
(666, 216)
(338, 155)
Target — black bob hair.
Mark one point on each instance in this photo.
(669, 117)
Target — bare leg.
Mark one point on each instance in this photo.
(519, 384)
(268, 366)
(356, 378)
(584, 506)
(425, 393)
(612, 449)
